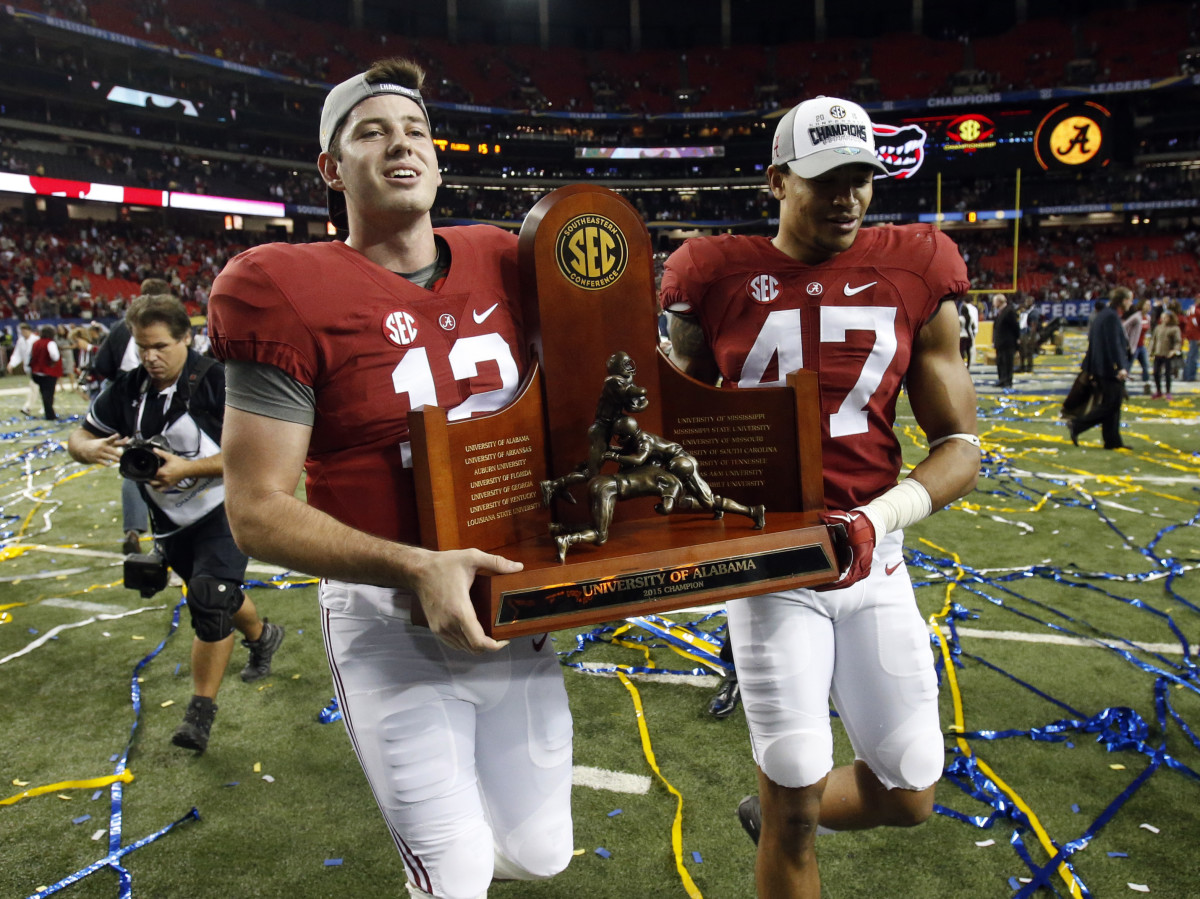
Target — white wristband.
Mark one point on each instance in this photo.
(906, 503)
(969, 438)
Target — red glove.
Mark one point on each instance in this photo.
(853, 538)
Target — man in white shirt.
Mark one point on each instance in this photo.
(968, 328)
(21, 354)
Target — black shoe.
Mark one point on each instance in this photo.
(261, 651)
(726, 699)
(750, 814)
(197, 722)
(133, 543)
(1074, 434)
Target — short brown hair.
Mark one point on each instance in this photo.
(155, 286)
(1118, 296)
(394, 69)
(159, 308)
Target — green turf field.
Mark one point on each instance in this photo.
(1065, 588)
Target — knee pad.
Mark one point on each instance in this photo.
(460, 867)
(540, 853)
(212, 603)
(911, 757)
(798, 759)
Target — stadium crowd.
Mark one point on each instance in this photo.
(91, 270)
(1038, 53)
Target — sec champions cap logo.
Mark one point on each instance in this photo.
(591, 251)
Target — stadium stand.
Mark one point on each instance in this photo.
(257, 77)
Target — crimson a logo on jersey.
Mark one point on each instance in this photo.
(400, 328)
(763, 288)
(815, 288)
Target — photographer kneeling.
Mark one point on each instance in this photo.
(162, 422)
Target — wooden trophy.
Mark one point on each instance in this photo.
(588, 293)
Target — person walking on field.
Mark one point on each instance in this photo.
(22, 348)
(870, 310)
(464, 740)
(968, 329)
(46, 367)
(1136, 325)
(1189, 322)
(177, 398)
(1166, 341)
(1107, 361)
(1006, 336)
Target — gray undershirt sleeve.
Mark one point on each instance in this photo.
(265, 390)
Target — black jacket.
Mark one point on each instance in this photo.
(116, 408)
(1006, 330)
(192, 429)
(1108, 351)
(107, 364)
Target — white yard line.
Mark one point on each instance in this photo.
(713, 681)
(79, 605)
(710, 681)
(55, 631)
(615, 781)
(42, 575)
(1060, 640)
(256, 567)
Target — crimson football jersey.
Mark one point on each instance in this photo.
(373, 346)
(851, 319)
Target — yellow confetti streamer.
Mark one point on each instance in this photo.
(93, 784)
(677, 826)
(959, 728)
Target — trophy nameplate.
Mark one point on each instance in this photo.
(588, 291)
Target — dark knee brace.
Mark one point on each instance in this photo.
(212, 604)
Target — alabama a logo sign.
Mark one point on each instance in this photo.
(1074, 136)
(591, 252)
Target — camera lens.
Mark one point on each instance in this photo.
(139, 463)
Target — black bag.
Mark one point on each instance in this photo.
(1083, 397)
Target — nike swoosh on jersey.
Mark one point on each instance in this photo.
(851, 291)
(481, 317)
(891, 569)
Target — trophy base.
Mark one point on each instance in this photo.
(651, 566)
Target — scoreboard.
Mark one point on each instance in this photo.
(1064, 136)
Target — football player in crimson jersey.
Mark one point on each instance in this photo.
(465, 741)
(869, 311)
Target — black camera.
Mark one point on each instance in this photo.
(139, 462)
(147, 574)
